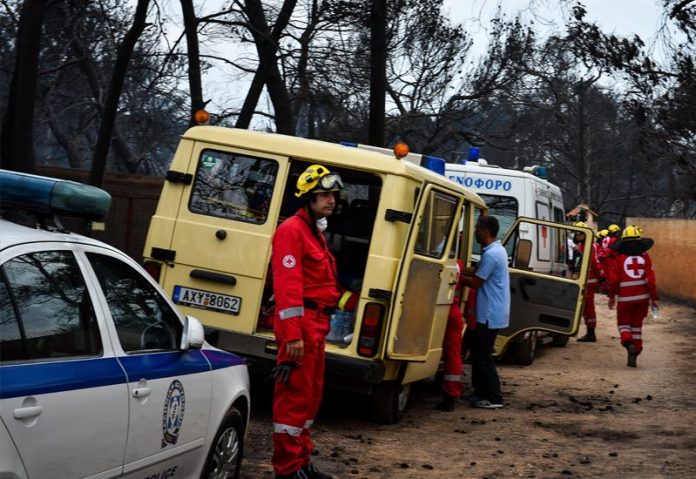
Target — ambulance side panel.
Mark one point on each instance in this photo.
(218, 224)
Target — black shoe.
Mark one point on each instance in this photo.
(312, 472)
(632, 355)
(588, 338)
(447, 404)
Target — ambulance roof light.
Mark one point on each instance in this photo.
(474, 153)
(348, 143)
(433, 163)
(538, 171)
(51, 196)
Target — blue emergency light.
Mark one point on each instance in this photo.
(474, 153)
(433, 163)
(52, 196)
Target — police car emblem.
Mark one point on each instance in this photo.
(289, 261)
(173, 415)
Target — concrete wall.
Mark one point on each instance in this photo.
(673, 256)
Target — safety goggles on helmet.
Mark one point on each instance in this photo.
(330, 182)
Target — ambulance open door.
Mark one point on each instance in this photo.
(427, 278)
(542, 301)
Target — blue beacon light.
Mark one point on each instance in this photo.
(52, 196)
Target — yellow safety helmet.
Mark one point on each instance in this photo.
(580, 223)
(318, 179)
(631, 232)
(613, 228)
(602, 233)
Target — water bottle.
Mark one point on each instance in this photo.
(334, 335)
(655, 311)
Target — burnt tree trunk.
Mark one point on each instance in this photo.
(194, 59)
(268, 72)
(125, 51)
(378, 76)
(17, 140)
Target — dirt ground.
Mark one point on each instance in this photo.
(578, 411)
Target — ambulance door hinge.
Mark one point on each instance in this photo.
(163, 254)
(380, 294)
(394, 215)
(179, 177)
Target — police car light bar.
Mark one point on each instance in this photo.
(43, 195)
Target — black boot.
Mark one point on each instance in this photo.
(447, 403)
(632, 355)
(299, 474)
(314, 473)
(589, 337)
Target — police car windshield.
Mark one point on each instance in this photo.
(505, 210)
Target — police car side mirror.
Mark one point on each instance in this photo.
(193, 336)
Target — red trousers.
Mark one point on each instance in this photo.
(589, 312)
(452, 352)
(629, 317)
(296, 403)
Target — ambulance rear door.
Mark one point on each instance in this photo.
(427, 277)
(222, 236)
(541, 300)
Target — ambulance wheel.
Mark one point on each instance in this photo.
(523, 352)
(560, 340)
(224, 459)
(388, 401)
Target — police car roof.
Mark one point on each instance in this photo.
(322, 152)
(15, 234)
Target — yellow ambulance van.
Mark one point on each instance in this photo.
(394, 233)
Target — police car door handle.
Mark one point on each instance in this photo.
(27, 412)
(141, 392)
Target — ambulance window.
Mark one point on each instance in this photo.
(233, 186)
(436, 224)
(143, 319)
(47, 311)
(505, 210)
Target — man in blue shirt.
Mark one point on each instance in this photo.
(492, 283)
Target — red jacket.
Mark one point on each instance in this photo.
(632, 279)
(303, 270)
(608, 255)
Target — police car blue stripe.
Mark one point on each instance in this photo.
(221, 359)
(164, 365)
(52, 377)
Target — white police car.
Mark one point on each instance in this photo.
(100, 375)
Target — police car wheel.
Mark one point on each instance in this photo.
(225, 457)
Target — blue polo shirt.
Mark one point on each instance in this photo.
(493, 297)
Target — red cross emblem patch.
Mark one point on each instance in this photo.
(634, 266)
(289, 261)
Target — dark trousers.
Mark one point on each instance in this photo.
(484, 375)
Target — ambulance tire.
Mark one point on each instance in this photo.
(225, 456)
(560, 340)
(522, 353)
(388, 401)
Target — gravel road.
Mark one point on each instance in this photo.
(577, 411)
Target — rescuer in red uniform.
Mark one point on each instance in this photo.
(452, 349)
(593, 276)
(631, 288)
(608, 253)
(306, 290)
